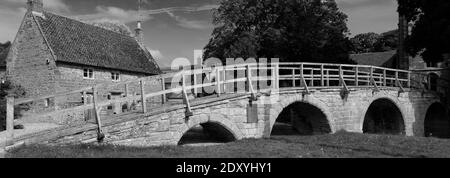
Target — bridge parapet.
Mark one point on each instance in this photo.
(248, 79)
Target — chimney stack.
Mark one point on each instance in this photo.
(35, 5)
(139, 36)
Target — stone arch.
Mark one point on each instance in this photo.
(436, 121)
(218, 125)
(288, 100)
(384, 114)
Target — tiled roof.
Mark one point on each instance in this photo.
(76, 42)
(373, 59)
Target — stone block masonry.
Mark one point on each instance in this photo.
(167, 127)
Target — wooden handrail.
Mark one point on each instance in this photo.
(307, 72)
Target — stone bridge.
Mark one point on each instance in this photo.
(310, 98)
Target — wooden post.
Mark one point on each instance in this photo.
(277, 77)
(144, 103)
(312, 77)
(357, 76)
(409, 80)
(224, 86)
(371, 76)
(163, 88)
(218, 81)
(293, 77)
(384, 78)
(322, 78)
(302, 76)
(100, 135)
(341, 82)
(396, 79)
(85, 98)
(249, 78)
(10, 118)
(328, 78)
(127, 90)
(195, 83)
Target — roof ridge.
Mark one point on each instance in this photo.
(77, 20)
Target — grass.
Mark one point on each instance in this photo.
(339, 145)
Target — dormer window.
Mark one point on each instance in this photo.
(115, 76)
(88, 73)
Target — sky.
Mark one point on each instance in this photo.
(170, 35)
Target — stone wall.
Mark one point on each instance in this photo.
(30, 62)
(167, 128)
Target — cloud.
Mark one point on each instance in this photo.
(10, 20)
(52, 5)
(114, 13)
(191, 24)
(156, 54)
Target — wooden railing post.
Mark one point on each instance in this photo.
(100, 135)
(341, 77)
(225, 83)
(356, 76)
(328, 78)
(322, 77)
(312, 77)
(384, 78)
(396, 79)
(276, 77)
(302, 77)
(195, 83)
(372, 79)
(144, 102)
(85, 98)
(218, 81)
(163, 88)
(10, 118)
(409, 80)
(293, 77)
(188, 112)
(249, 78)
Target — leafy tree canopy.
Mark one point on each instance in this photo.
(430, 27)
(294, 30)
(373, 42)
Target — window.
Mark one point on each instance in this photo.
(88, 73)
(115, 76)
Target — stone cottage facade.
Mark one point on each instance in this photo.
(52, 54)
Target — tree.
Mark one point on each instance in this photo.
(373, 42)
(294, 30)
(388, 41)
(112, 25)
(430, 28)
(365, 42)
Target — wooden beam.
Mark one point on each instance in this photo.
(100, 134)
(293, 77)
(163, 88)
(10, 118)
(250, 83)
(322, 77)
(188, 112)
(302, 78)
(143, 99)
(218, 89)
(356, 76)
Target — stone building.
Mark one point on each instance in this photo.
(52, 54)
